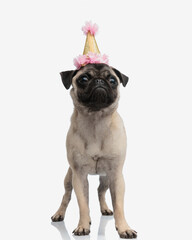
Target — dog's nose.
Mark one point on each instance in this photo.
(99, 81)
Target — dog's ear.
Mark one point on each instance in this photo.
(67, 77)
(123, 79)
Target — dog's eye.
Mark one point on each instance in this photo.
(112, 80)
(83, 79)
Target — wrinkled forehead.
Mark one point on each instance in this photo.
(94, 70)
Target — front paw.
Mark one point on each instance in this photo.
(80, 230)
(57, 217)
(106, 212)
(129, 233)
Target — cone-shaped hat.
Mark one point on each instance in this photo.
(90, 44)
(91, 53)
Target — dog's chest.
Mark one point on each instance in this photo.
(93, 146)
(93, 149)
(95, 136)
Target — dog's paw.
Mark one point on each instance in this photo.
(79, 231)
(106, 212)
(129, 233)
(57, 217)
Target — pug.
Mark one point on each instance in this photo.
(96, 144)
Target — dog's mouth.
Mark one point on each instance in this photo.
(97, 97)
(99, 88)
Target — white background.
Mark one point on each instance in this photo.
(150, 41)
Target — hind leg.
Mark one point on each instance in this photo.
(104, 185)
(60, 214)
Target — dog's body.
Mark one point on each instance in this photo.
(96, 144)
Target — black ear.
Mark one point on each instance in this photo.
(123, 79)
(67, 77)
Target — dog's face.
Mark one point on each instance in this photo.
(95, 85)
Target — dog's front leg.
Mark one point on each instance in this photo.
(117, 189)
(80, 185)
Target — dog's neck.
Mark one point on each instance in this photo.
(94, 115)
